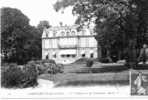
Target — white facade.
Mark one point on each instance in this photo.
(65, 44)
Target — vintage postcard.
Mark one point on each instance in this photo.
(74, 48)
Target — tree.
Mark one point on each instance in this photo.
(104, 13)
(119, 23)
(20, 41)
(63, 4)
(42, 24)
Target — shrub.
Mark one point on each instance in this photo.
(41, 69)
(52, 68)
(48, 61)
(81, 60)
(30, 75)
(89, 63)
(56, 68)
(11, 76)
(47, 66)
(15, 77)
(104, 60)
(60, 68)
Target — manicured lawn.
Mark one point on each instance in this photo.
(96, 68)
(73, 79)
(80, 75)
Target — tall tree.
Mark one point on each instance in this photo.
(120, 24)
(18, 37)
(42, 24)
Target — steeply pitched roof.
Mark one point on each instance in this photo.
(62, 28)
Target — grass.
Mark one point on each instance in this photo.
(72, 79)
(96, 68)
(134, 74)
(79, 75)
(142, 67)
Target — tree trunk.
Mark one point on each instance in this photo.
(99, 51)
(108, 55)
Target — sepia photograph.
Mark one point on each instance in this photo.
(73, 48)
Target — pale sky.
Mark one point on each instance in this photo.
(37, 10)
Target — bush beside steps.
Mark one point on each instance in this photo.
(22, 76)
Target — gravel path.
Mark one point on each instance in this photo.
(46, 89)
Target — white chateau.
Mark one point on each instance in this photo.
(65, 44)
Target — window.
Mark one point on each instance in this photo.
(68, 34)
(62, 56)
(73, 55)
(62, 33)
(91, 55)
(47, 56)
(46, 35)
(54, 55)
(54, 33)
(92, 42)
(73, 33)
(83, 55)
(47, 43)
(68, 55)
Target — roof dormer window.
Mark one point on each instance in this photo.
(54, 33)
(68, 33)
(62, 33)
(46, 34)
(73, 33)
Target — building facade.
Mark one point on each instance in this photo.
(65, 44)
